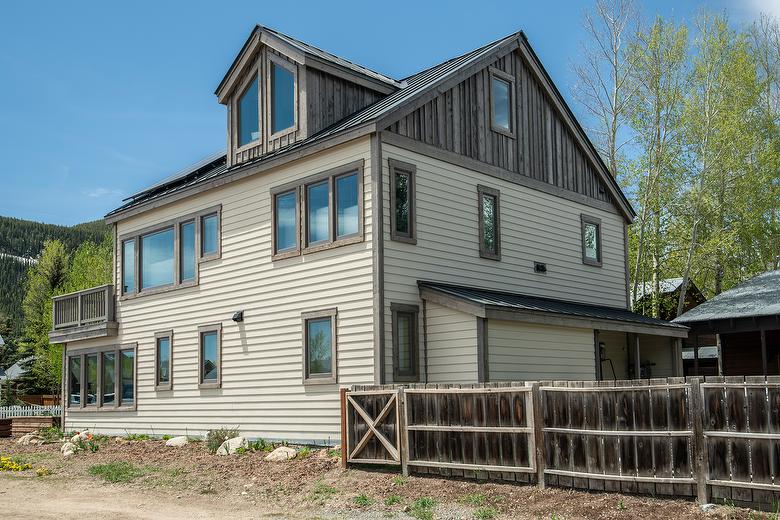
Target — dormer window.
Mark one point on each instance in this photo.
(282, 97)
(249, 114)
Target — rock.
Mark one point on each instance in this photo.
(708, 508)
(120, 440)
(230, 446)
(29, 438)
(80, 436)
(177, 442)
(36, 440)
(281, 454)
(67, 453)
(68, 446)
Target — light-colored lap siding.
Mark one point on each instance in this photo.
(452, 345)
(261, 390)
(527, 352)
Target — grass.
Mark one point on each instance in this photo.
(485, 513)
(400, 480)
(304, 452)
(422, 508)
(322, 492)
(215, 438)
(474, 499)
(363, 500)
(621, 505)
(167, 437)
(334, 453)
(392, 500)
(137, 437)
(51, 434)
(119, 471)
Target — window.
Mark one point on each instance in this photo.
(332, 211)
(319, 347)
(489, 223)
(157, 267)
(167, 256)
(501, 101)
(402, 202)
(128, 266)
(209, 354)
(282, 97)
(163, 355)
(102, 378)
(249, 114)
(591, 240)
(405, 342)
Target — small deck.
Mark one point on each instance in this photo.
(84, 314)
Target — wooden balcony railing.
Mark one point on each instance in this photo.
(87, 307)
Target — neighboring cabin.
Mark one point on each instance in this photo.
(453, 226)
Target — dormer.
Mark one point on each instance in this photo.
(280, 90)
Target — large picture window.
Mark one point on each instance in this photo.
(489, 213)
(209, 356)
(319, 346)
(402, 202)
(591, 240)
(101, 378)
(405, 342)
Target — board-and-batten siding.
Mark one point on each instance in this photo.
(452, 345)
(543, 147)
(261, 392)
(530, 352)
(535, 227)
(330, 99)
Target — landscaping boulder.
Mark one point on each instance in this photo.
(68, 449)
(29, 438)
(281, 454)
(230, 446)
(80, 436)
(177, 442)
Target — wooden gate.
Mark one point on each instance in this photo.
(373, 433)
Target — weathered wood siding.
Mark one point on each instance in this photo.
(452, 346)
(523, 351)
(262, 390)
(330, 99)
(543, 148)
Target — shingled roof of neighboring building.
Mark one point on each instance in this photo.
(759, 296)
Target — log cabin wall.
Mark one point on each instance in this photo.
(543, 147)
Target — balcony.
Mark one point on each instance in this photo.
(83, 315)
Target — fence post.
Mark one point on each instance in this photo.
(343, 399)
(537, 418)
(403, 436)
(699, 445)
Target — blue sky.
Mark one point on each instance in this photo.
(99, 99)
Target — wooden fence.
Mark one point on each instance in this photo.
(715, 438)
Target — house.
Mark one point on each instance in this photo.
(669, 296)
(745, 323)
(453, 226)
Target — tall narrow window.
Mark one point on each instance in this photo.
(92, 379)
(163, 365)
(248, 115)
(489, 223)
(108, 379)
(157, 259)
(128, 266)
(286, 222)
(187, 253)
(319, 346)
(209, 354)
(402, 194)
(74, 381)
(317, 213)
(501, 101)
(209, 235)
(591, 240)
(127, 381)
(282, 98)
(405, 342)
(347, 205)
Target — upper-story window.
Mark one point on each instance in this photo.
(402, 203)
(489, 213)
(501, 101)
(249, 113)
(157, 267)
(282, 96)
(591, 240)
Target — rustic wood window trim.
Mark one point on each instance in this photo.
(584, 220)
(396, 168)
(414, 310)
(293, 68)
(117, 406)
(295, 250)
(234, 126)
(217, 327)
(333, 241)
(168, 334)
(499, 74)
(175, 224)
(483, 191)
(320, 379)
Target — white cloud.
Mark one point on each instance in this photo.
(103, 192)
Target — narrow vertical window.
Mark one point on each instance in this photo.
(187, 253)
(248, 115)
(489, 223)
(108, 379)
(317, 213)
(209, 354)
(157, 254)
(74, 381)
(591, 240)
(282, 98)
(127, 377)
(319, 347)
(128, 266)
(347, 205)
(92, 379)
(402, 194)
(286, 222)
(163, 364)
(501, 102)
(210, 236)
(405, 342)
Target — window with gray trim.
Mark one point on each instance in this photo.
(591, 240)
(210, 356)
(402, 202)
(489, 217)
(502, 102)
(163, 360)
(319, 346)
(406, 348)
(101, 378)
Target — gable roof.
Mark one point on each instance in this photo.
(759, 296)
(411, 91)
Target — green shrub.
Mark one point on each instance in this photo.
(167, 437)
(51, 434)
(116, 471)
(261, 445)
(215, 438)
(137, 437)
(304, 452)
(363, 500)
